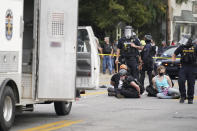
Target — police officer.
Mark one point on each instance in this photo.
(147, 54)
(128, 46)
(188, 53)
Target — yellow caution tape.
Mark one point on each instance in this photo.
(153, 57)
(107, 54)
(164, 58)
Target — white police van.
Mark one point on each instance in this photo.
(37, 56)
(88, 60)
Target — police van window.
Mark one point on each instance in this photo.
(83, 41)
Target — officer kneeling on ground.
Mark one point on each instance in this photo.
(124, 86)
(188, 53)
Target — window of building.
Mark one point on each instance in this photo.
(185, 29)
(194, 9)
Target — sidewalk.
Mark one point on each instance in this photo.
(104, 79)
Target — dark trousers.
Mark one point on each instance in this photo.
(113, 90)
(133, 68)
(187, 73)
(129, 93)
(149, 73)
(78, 93)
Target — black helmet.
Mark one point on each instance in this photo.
(122, 72)
(148, 37)
(190, 41)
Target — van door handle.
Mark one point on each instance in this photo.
(94, 68)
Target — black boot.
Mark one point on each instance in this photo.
(190, 101)
(182, 100)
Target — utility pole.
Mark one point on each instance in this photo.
(168, 22)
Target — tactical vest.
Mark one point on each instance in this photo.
(189, 55)
(128, 50)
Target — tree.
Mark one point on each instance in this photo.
(104, 15)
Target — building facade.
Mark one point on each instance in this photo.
(183, 19)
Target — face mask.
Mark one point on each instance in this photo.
(161, 74)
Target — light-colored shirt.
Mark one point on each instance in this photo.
(120, 84)
(163, 83)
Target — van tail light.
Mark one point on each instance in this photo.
(89, 74)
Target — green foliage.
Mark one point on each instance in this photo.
(104, 15)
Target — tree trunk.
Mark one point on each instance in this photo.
(168, 22)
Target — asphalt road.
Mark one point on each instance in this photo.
(95, 111)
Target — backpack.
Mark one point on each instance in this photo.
(151, 91)
(189, 55)
(147, 54)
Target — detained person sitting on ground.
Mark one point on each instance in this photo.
(124, 86)
(115, 79)
(127, 88)
(162, 83)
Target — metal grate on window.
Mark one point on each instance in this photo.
(56, 24)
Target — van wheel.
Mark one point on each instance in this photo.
(7, 109)
(62, 108)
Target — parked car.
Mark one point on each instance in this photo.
(172, 68)
(159, 52)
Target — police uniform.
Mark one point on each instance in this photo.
(147, 53)
(188, 65)
(130, 54)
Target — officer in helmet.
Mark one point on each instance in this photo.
(188, 52)
(128, 46)
(147, 54)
